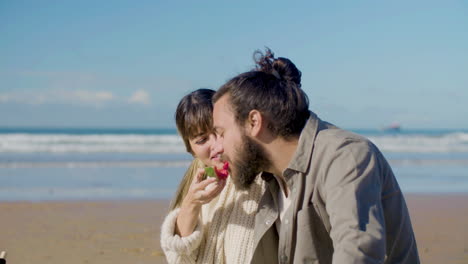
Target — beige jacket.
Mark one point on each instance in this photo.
(346, 205)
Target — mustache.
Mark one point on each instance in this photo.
(225, 158)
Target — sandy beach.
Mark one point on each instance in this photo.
(128, 231)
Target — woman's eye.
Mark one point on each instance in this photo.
(201, 141)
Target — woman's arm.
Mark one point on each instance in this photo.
(179, 249)
(200, 192)
(182, 229)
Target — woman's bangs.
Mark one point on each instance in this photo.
(198, 123)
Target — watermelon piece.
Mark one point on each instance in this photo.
(210, 172)
(224, 172)
(221, 174)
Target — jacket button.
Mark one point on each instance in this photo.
(268, 222)
(284, 259)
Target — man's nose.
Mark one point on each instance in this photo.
(217, 147)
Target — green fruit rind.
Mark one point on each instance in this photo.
(210, 172)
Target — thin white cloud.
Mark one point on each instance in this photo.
(4, 98)
(77, 97)
(140, 97)
(86, 96)
(19, 97)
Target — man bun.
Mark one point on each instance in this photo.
(281, 68)
(273, 88)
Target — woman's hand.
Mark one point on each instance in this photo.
(203, 191)
(200, 192)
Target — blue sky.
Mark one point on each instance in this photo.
(365, 64)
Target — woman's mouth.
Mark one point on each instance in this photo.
(216, 158)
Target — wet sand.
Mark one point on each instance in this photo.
(128, 231)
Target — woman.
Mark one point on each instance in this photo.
(210, 221)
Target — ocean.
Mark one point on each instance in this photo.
(39, 164)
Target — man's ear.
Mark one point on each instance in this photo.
(254, 123)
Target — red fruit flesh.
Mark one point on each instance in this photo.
(224, 172)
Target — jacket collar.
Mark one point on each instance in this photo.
(301, 158)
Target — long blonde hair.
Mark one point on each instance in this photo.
(194, 115)
(185, 183)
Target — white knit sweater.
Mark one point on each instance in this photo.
(225, 230)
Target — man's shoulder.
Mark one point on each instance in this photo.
(327, 133)
(334, 136)
(328, 141)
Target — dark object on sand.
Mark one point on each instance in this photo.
(3, 257)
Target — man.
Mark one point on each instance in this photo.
(332, 197)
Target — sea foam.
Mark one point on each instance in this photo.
(172, 143)
(68, 143)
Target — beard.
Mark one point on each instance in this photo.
(251, 160)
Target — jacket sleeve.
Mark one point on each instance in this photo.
(352, 192)
(179, 249)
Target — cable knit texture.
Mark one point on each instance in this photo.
(225, 230)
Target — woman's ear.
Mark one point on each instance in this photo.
(254, 123)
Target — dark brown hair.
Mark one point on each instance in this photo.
(194, 115)
(273, 87)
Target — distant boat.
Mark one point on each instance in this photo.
(393, 127)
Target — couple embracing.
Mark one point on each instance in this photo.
(300, 190)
